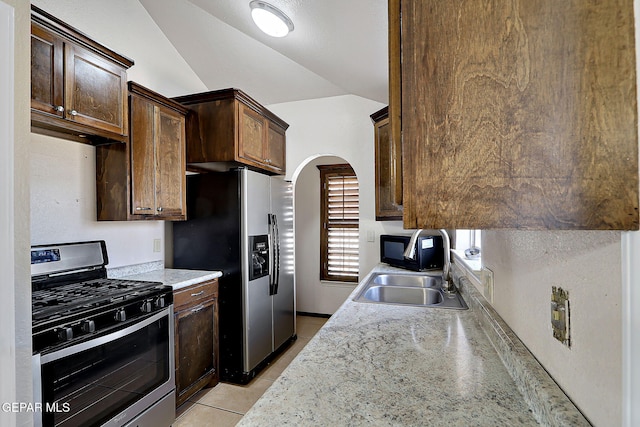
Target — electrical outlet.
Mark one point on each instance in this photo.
(487, 283)
(157, 245)
(560, 315)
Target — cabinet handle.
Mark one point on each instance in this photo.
(73, 112)
(197, 309)
(142, 209)
(159, 209)
(197, 294)
(60, 108)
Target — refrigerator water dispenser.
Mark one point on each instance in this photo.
(259, 256)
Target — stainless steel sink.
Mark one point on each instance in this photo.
(407, 280)
(409, 289)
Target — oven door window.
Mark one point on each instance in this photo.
(91, 387)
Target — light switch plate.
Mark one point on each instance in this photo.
(156, 245)
(371, 236)
(487, 283)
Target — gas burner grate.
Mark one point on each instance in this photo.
(75, 297)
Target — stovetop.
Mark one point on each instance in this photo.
(66, 300)
(74, 301)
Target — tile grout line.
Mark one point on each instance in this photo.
(216, 407)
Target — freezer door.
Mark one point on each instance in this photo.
(284, 299)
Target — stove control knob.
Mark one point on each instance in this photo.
(147, 306)
(88, 326)
(160, 302)
(65, 333)
(120, 315)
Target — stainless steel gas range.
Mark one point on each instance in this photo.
(103, 349)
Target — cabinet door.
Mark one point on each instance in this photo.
(251, 135)
(95, 91)
(519, 114)
(143, 186)
(46, 71)
(385, 154)
(170, 163)
(276, 149)
(194, 341)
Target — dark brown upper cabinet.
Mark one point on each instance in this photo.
(388, 168)
(517, 114)
(78, 86)
(227, 127)
(145, 179)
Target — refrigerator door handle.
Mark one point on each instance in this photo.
(276, 261)
(272, 254)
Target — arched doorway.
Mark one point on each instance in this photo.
(312, 294)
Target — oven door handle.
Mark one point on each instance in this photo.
(68, 351)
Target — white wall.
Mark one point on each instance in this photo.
(587, 264)
(336, 126)
(63, 204)
(313, 295)
(63, 193)
(15, 286)
(631, 298)
(630, 328)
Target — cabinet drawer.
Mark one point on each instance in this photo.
(191, 295)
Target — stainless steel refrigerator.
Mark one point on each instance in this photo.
(241, 222)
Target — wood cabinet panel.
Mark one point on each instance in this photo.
(194, 294)
(276, 151)
(96, 91)
(145, 179)
(519, 115)
(170, 162)
(388, 172)
(251, 132)
(78, 86)
(143, 185)
(395, 93)
(46, 71)
(196, 338)
(228, 128)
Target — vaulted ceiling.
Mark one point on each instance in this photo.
(338, 47)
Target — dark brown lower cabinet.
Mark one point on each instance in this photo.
(196, 338)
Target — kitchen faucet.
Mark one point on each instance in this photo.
(410, 253)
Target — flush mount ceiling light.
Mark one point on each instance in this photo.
(270, 19)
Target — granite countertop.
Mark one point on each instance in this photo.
(377, 364)
(177, 278)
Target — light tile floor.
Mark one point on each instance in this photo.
(225, 404)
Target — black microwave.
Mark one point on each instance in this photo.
(429, 253)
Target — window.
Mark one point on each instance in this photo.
(339, 258)
(465, 241)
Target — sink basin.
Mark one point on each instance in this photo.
(402, 295)
(407, 280)
(409, 289)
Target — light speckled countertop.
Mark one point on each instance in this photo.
(389, 365)
(177, 278)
